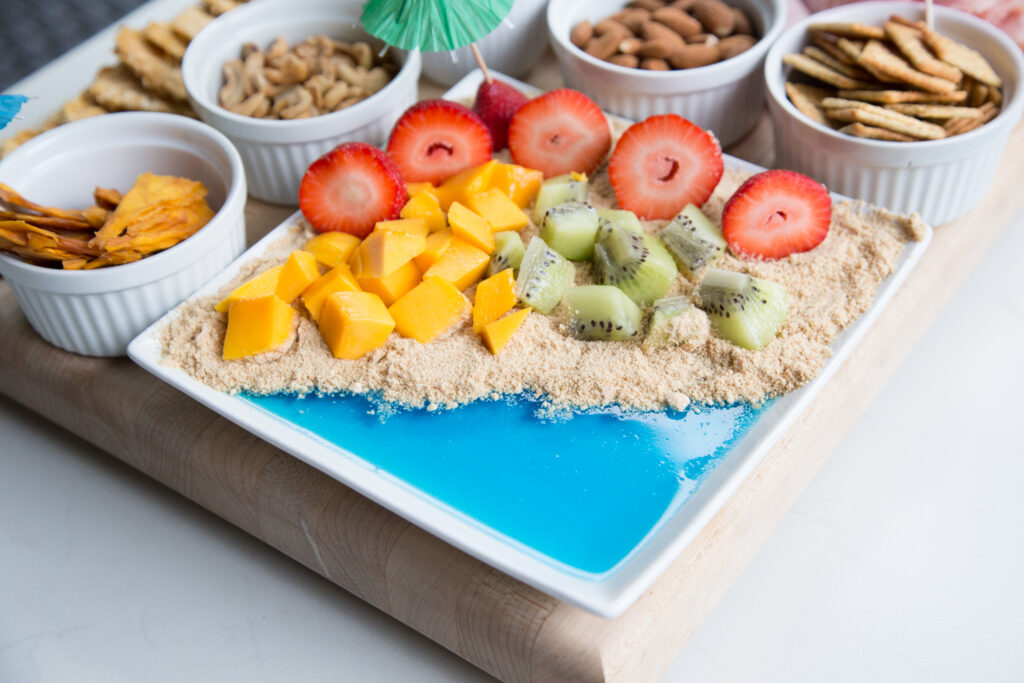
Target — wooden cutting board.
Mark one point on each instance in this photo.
(502, 626)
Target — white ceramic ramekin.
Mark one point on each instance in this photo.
(277, 153)
(939, 179)
(97, 312)
(513, 48)
(727, 97)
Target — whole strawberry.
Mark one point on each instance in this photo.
(496, 103)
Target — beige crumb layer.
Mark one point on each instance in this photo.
(828, 288)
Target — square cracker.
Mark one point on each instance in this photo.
(817, 54)
(874, 133)
(858, 112)
(849, 30)
(816, 69)
(807, 99)
(896, 96)
(876, 57)
(831, 45)
(960, 125)
(909, 43)
(967, 60)
(935, 111)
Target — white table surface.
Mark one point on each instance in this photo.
(903, 560)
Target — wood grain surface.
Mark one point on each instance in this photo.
(502, 626)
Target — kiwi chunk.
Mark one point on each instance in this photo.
(603, 312)
(571, 187)
(745, 310)
(636, 263)
(693, 240)
(570, 229)
(677, 322)
(621, 218)
(508, 252)
(544, 275)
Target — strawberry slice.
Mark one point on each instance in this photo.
(496, 103)
(663, 163)
(350, 188)
(775, 214)
(559, 132)
(435, 139)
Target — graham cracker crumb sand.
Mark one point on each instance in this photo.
(829, 287)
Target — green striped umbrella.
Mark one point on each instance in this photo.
(433, 25)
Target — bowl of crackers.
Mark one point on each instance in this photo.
(108, 223)
(878, 105)
(288, 80)
(700, 59)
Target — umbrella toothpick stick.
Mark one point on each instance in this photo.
(480, 61)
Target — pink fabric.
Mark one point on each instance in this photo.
(1006, 14)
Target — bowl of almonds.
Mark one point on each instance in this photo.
(288, 80)
(878, 105)
(701, 59)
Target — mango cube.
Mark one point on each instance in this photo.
(432, 307)
(338, 279)
(425, 206)
(299, 272)
(519, 183)
(471, 227)
(257, 326)
(331, 248)
(385, 251)
(500, 212)
(410, 226)
(496, 334)
(495, 297)
(263, 284)
(437, 243)
(393, 285)
(413, 189)
(354, 323)
(461, 186)
(462, 264)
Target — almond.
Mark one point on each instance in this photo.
(632, 18)
(684, 5)
(742, 23)
(702, 39)
(652, 30)
(603, 47)
(693, 56)
(658, 49)
(734, 45)
(677, 20)
(649, 5)
(655, 65)
(581, 34)
(631, 46)
(715, 15)
(613, 27)
(631, 61)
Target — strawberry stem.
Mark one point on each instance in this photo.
(480, 61)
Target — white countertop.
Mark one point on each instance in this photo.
(902, 561)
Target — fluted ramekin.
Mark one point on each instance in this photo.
(97, 312)
(726, 98)
(277, 153)
(939, 179)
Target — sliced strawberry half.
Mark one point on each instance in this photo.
(663, 163)
(350, 189)
(776, 213)
(496, 103)
(559, 132)
(435, 139)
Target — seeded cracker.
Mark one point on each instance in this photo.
(969, 61)
(896, 96)
(960, 125)
(850, 111)
(849, 30)
(935, 111)
(909, 43)
(807, 99)
(830, 45)
(814, 69)
(872, 133)
(877, 57)
(831, 62)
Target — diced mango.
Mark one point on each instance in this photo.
(471, 227)
(385, 251)
(263, 284)
(461, 186)
(497, 333)
(432, 307)
(256, 326)
(332, 248)
(338, 279)
(500, 212)
(495, 297)
(413, 189)
(425, 206)
(299, 272)
(437, 243)
(462, 264)
(409, 226)
(354, 323)
(521, 184)
(393, 285)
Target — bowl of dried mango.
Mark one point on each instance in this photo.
(107, 223)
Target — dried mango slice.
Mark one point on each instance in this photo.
(9, 196)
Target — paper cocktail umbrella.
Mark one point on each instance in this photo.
(433, 25)
(10, 105)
